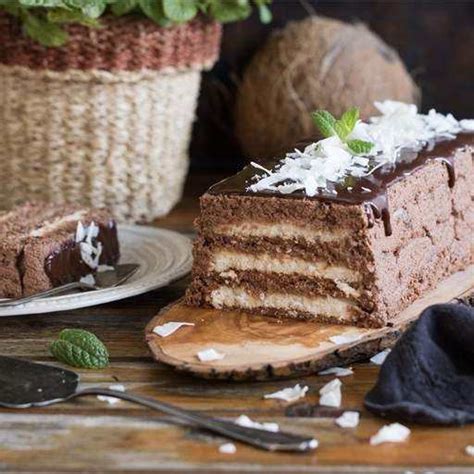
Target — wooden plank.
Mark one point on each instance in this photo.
(260, 348)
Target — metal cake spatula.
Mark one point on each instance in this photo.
(107, 279)
(25, 384)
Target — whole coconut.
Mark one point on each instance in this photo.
(317, 63)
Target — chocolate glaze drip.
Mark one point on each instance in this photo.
(371, 191)
(65, 265)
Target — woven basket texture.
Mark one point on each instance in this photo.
(81, 125)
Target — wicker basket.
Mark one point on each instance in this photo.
(105, 120)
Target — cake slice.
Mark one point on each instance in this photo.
(333, 235)
(43, 246)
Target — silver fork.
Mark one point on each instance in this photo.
(107, 279)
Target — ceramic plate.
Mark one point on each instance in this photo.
(163, 256)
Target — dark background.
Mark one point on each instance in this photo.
(435, 39)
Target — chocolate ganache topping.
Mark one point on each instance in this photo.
(371, 191)
(387, 149)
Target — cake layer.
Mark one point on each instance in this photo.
(322, 308)
(43, 246)
(281, 231)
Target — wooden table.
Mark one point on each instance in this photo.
(89, 435)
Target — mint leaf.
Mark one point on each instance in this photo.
(359, 147)
(325, 122)
(180, 11)
(226, 11)
(122, 7)
(46, 33)
(79, 348)
(346, 123)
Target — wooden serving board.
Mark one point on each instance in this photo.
(260, 348)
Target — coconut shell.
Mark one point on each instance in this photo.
(316, 63)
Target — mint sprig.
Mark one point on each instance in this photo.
(329, 126)
(80, 348)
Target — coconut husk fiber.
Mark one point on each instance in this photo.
(316, 63)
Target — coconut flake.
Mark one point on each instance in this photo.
(469, 450)
(209, 355)
(398, 127)
(227, 448)
(345, 338)
(244, 420)
(88, 279)
(349, 419)
(289, 394)
(165, 330)
(112, 400)
(379, 359)
(330, 394)
(337, 371)
(80, 232)
(467, 125)
(105, 268)
(394, 433)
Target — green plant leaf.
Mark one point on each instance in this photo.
(227, 11)
(154, 9)
(180, 11)
(122, 7)
(359, 147)
(42, 3)
(60, 15)
(79, 348)
(325, 122)
(90, 8)
(265, 14)
(46, 33)
(346, 123)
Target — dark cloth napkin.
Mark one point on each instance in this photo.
(428, 377)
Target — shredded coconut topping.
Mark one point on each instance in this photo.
(244, 420)
(165, 330)
(379, 359)
(337, 371)
(330, 394)
(349, 419)
(91, 249)
(112, 400)
(394, 433)
(327, 161)
(290, 394)
(208, 355)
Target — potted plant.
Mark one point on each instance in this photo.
(97, 98)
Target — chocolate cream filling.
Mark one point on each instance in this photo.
(65, 264)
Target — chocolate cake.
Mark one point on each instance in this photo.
(334, 236)
(43, 246)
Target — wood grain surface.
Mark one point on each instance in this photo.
(263, 348)
(88, 435)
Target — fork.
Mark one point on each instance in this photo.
(107, 279)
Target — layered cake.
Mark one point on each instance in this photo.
(43, 246)
(349, 229)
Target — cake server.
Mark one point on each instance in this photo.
(25, 384)
(103, 280)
